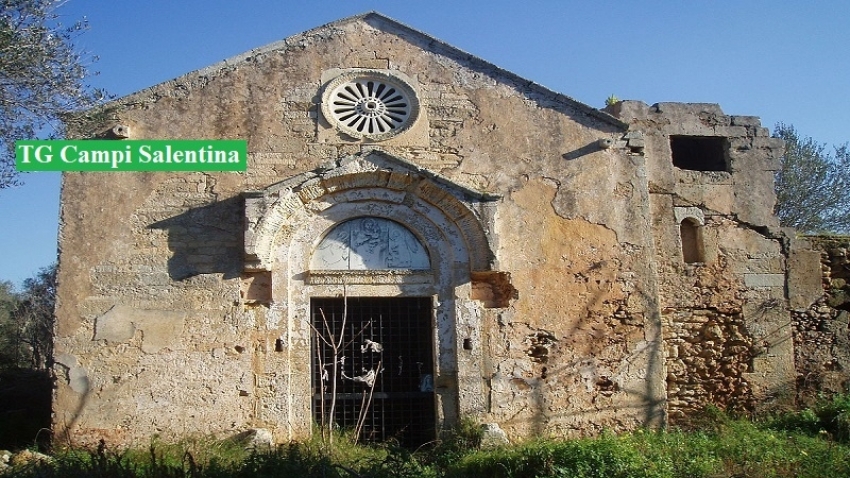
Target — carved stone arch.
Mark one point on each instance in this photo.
(420, 193)
(295, 251)
(437, 231)
(271, 215)
(287, 221)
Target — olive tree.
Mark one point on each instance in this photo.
(9, 352)
(42, 75)
(812, 184)
(34, 318)
(26, 322)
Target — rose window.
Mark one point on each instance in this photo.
(370, 104)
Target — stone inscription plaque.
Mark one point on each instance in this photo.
(370, 243)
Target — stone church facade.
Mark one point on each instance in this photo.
(481, 247)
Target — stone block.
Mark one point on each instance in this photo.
(805, 283)
(745, 121)
(160, 328)
(492, 436)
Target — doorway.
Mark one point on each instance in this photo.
(385, 367)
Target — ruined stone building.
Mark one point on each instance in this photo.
(483, 247)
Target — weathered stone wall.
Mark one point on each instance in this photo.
(726, 327)
(167, 326)
(562, 300)
(822, 323)
(580, 344)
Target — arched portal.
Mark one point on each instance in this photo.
(306, 231)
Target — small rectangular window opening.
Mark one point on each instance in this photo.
(700, 153)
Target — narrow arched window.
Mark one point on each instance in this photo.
(693, 250)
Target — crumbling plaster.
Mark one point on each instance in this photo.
(552, 230)
(739, 287)
(583, 331)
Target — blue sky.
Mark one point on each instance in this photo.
(780, 60)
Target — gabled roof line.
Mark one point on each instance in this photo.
(519, 80)
(447, 48)
(427, 173)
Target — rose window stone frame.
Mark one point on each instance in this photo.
(370, 104)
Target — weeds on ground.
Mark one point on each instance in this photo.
(830, 418)
(740, 449)
(607, 456)
(717, 446)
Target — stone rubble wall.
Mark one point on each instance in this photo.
(725, 324)
(822, 329)
(711, 347)
(709, 353)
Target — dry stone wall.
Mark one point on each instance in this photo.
(822, 329)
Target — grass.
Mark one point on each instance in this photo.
(810, 443)
(829, 417)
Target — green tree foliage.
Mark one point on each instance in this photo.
(26, 322)
(812, 184)
(8, 332)
(35, 314)
(41, 75)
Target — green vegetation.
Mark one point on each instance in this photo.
(611, 100)
(812, 184)
(828, 418)
(42, 76)
(26, 345)
(811, 443)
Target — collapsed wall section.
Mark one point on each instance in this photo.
(721, 256)
(820, 308)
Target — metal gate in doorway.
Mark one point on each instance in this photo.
(384, 366)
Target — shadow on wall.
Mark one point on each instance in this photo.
(583, 151)
(776, 401)
(648, 401)
(205, 240)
